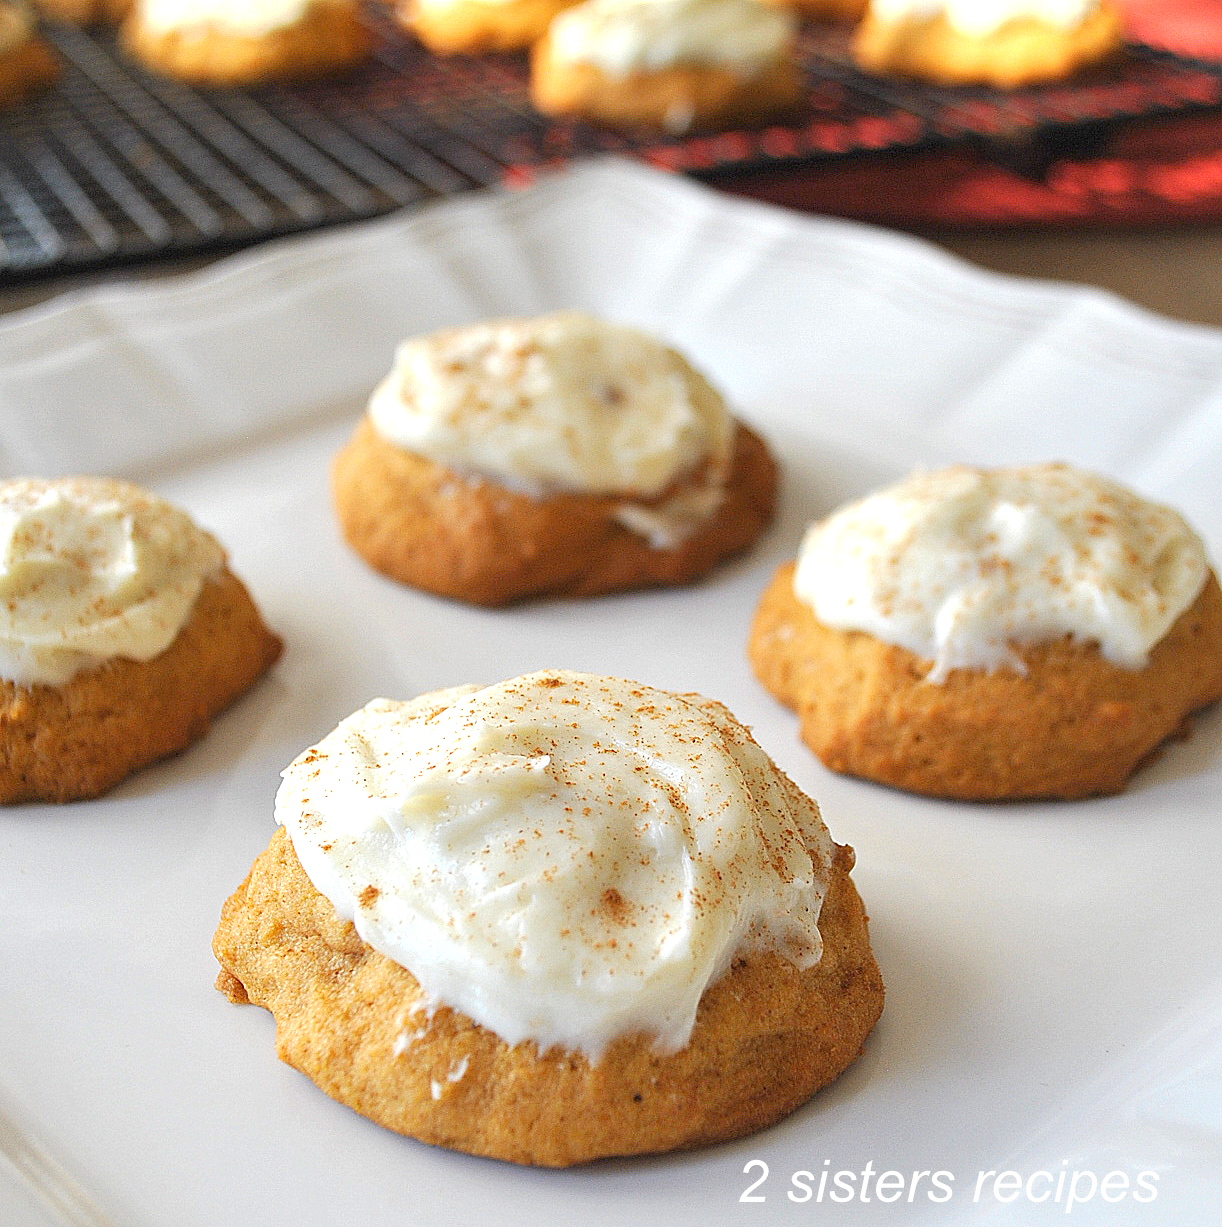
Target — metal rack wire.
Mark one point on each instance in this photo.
(113, 164)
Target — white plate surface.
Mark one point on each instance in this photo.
(1054, 971)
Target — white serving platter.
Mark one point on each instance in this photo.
(1054, 971)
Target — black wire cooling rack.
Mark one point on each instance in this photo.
(115, 165)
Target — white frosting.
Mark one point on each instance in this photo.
(91, 569)
(958, 565)
(16, 27)
(621, 37)
(563, 402)
(245, 18)
(561, 857)
(977, 18)
(664, 525)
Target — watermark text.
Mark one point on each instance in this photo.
(1063, 1186)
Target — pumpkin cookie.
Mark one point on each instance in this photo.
(494, 954)
(994, 635)
(122, 633)
(85, 12)
(27, 64)
(669, 64)
(558, 455)
(958, 42)
(451, 27)
(245, 42)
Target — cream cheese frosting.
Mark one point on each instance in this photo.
(621, 37)
(959, 565)
(245, 18)
(563, 403)
(564, 858)
(16, 27)
(92, 569)
(977, 18)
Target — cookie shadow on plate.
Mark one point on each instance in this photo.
(1195, 750)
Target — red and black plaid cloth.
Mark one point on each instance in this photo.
(1149, 172)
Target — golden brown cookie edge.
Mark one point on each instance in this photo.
(26, 69)
(1074, 725)
(767, 1036)
(473, 27)
(1024, 51)
(76, 741)
(704, 96)
(330, 38)
(475, 541)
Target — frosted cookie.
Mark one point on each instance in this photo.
(27, 64)
(669, 64)
(244, 42)
(122, 633)
(994, 634)
(85, 12)
(452, 27)
(1004, 43)
(554, 919)
(559, 454)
